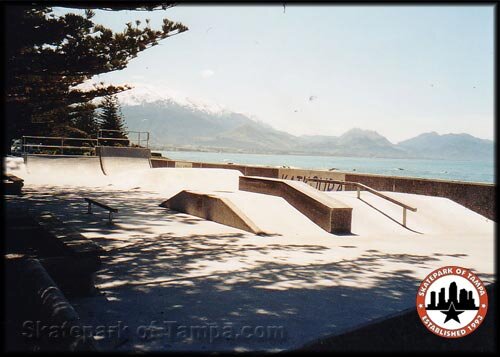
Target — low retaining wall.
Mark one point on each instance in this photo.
(478, 197)
(326, 212)
(75, 270)
(12, 184)
(51, 308)
(213, 208)
(272, 172)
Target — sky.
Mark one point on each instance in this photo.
(322, 70)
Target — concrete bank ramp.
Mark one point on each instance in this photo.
(372, 215)
(274, 215)
(253, 212)
(213, 208)
(115, 160)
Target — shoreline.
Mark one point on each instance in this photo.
(447, 170)
(315, 154)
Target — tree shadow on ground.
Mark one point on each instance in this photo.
(229, 278)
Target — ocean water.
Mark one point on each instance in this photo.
(473, 171)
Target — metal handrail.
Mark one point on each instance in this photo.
(360, 186)
(44, 141)
(139, 140)
(59, 146)
(57, 138)
(123, 139)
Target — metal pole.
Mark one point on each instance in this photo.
(89, 209)
(62, 146)
(404, 216)
(359, 191)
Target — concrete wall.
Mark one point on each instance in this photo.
(479, 197)
(48, 307)
(12, 184)
(244, 169)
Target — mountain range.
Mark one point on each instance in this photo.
(184, 124)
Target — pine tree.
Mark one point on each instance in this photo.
(47, 56)
(111, 121)
(84, 118)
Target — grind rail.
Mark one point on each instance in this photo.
(360, 186)
(110, 210)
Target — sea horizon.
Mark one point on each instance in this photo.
(479, 171)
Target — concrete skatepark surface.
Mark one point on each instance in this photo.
(165, 269)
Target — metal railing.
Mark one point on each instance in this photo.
(58, 144)
(26, 148)
(360, 186)
(138, 141)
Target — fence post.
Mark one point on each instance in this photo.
(404, 216)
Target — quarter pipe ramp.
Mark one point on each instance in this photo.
(115, 160)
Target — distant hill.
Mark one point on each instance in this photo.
(355, 142)
(182, 123)
(449, 146)
(253, 137)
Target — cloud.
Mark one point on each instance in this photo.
(206, 73)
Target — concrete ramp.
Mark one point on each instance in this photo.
(56, 169)
(213, 208)
(331, 215)
(275, 215)
(115, 160)
(374, 216)
(59, 170)
(50, 164)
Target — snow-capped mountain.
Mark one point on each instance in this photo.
(177, 120)
(144, 94)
